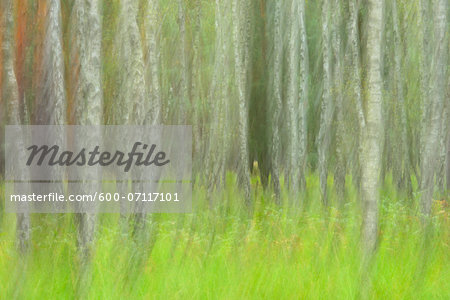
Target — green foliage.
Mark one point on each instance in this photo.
(276, 252)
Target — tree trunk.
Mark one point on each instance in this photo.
(196, 91)
(303, 95)
(292, 99)
(218, 138)
(153, 62)
(338, 85)
(356, 83)
(10, 94)
(327, 107)
(437, 96)
(241, 76)
(373, 129)
(276, 103)
(51, 96)
(87, 97)
(184, 93)
(404, 177)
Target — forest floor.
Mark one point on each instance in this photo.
(276, 252)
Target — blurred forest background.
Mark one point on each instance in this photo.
(321, 135)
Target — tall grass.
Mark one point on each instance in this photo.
(298, 251)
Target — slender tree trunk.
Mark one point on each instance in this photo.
(338, 86)
(87, 97)
(276, 103)
(51, 96)
(373, 130)
(327, 107)
(153, 62)
(437, 96)
(184, 93)
(196, 89)
(404, 177)
(303, 95)
(356, 82)
(292, 98)
(10, 94)
(425, 55)
(218, 138)
(241, 76)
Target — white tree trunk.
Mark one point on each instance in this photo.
(355, 83)
(196, 89)
(327, 106)
(51, 95)
(153, 62)
(87, 91)
(10, 94)
(184, 93)
(240, 76)
(338, 86)
(437, 97)
(218, 137)
(275, 97)
(403, 175)
(292, 98)
(303, 94)
(373, 129)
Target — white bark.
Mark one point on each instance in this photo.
(153, 62)
(437, 97)
(184, 93)
(218, 137)
(338, 84)
(51, 96)
(292, 98)
(10, 94)
(327, 106)
(241, 61)
(196, 86)
(132, 105)
(275, 97)
(87, 91)
(356, 88)
(402, 160)
(303, 94)
(373, 129)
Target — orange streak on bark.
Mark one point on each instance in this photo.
(21, 44)
(41, 17)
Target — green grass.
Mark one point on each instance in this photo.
(292, 252)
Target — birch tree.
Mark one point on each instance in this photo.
(292, 97)
(218, 139)
(241, 76)
(51, 95)
(196, 85)
(86, 35)
(10, 94)
(327, 106)
(356, 88)
(372, 132)
(152, 25)
(133, 106)
(338, 83)
(303, 94)
(275, 96)
(401, 162)
(184, 92)
(436, 100)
